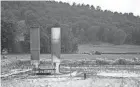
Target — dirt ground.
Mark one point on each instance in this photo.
(71, 82)
(100, 78)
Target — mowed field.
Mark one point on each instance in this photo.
(108, 48)
(105, 48)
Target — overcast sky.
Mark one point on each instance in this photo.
(124, 6)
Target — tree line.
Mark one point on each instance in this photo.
(80, 23)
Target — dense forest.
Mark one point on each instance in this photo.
(80, 24)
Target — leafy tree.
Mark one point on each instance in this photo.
(7, 35)
(119, 36)
(74, 4)
(92, 33)
(98, 8)
(92, 7)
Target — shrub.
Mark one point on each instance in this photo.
(102, 62)
(98, 53)
(122, 62)
(135, 63)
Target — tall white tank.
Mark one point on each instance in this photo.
(56, 46)
(35, 45)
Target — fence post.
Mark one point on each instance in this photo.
(85, 76)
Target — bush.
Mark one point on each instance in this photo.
(98, 53)
(122, 62)
(102, 62)
(135, 63)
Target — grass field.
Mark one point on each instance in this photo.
(86, 48)
(93, 80)
(108, 48)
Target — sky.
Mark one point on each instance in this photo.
(123, 6)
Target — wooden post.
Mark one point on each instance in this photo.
(85, 76)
